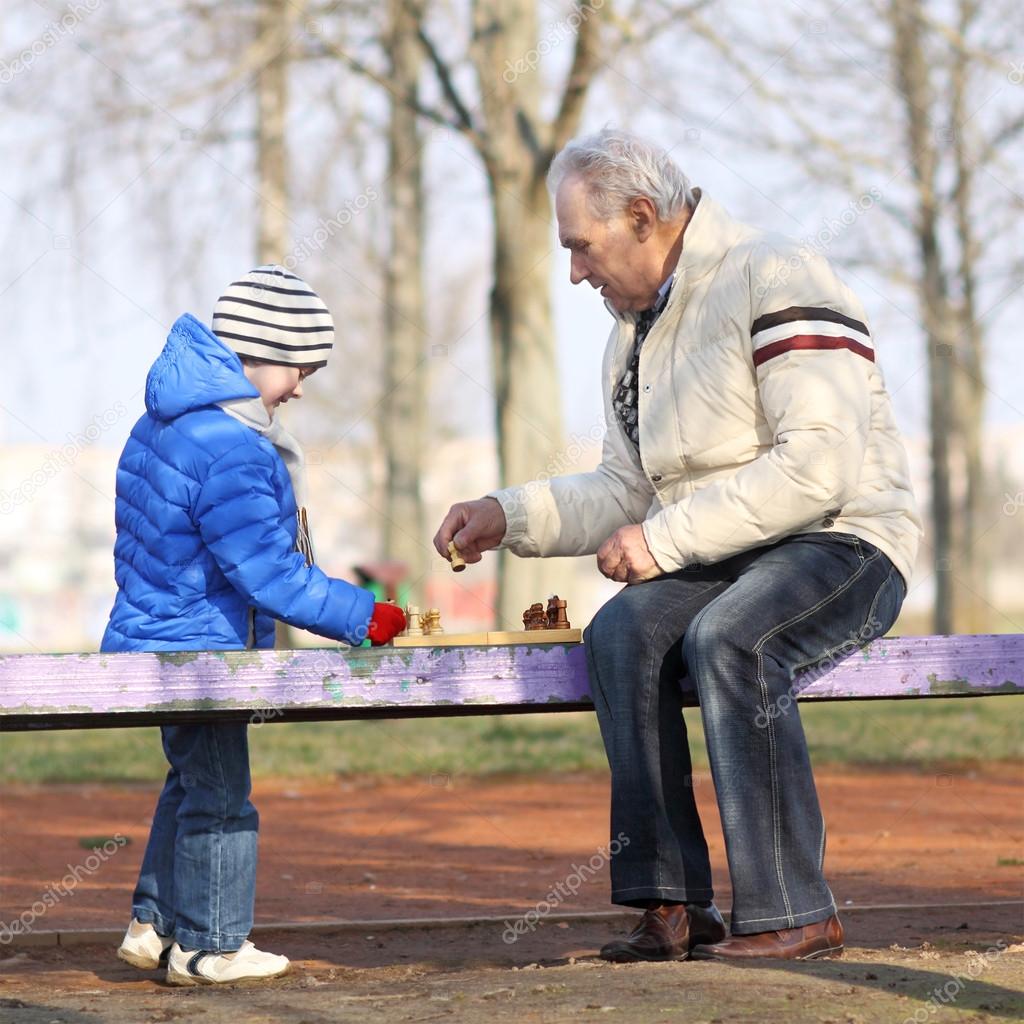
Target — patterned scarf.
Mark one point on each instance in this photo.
(625, 401)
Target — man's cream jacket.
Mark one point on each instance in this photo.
(762, 413)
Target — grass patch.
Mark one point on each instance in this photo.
(911, 732)
(96, 842)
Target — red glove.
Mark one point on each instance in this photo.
(387, 621)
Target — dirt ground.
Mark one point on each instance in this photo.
(938, 970)
(443, 847)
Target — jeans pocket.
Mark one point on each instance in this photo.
(853, 541)
(885, 607)
(846, 540)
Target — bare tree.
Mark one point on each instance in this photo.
(403, 410)
(183, 113)
(492, 92)
(970, 398)
(916, 98)
(275, 27)
(913, 80)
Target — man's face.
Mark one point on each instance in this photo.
(276, 383)
(606, 254)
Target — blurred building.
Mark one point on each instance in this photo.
(57, 535)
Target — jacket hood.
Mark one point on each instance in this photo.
(195, 369)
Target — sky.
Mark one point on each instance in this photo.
(91, 277)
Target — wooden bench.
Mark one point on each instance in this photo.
(86, 691)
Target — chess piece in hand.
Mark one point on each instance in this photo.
(474, 526)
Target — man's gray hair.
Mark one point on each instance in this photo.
(619, 167)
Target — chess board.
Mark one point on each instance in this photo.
(492, 638)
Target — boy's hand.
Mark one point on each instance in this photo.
(387, 621)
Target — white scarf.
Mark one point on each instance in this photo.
(253, 413)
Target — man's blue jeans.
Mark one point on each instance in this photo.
(198, 877)
(738, 631)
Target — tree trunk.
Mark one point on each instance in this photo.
(527, 383)
(912, 78)
(403, 416)
(272, 216)
(517, 144)
(273, 233)
(973, 562)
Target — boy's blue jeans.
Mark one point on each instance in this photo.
(738, 630)
(198, 876)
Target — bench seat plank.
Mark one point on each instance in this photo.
(40, 691)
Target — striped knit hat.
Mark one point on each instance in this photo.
(273, 315)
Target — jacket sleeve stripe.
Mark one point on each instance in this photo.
(811, 341)
(792, 314)
(817, 327)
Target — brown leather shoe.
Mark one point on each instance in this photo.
(667, 933)
(820, 939)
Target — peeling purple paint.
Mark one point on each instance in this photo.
(34, 686)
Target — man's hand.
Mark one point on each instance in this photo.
(475, 526)
(626, 558)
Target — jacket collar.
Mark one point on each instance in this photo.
(709, 235)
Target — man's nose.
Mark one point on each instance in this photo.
(578, 270)
(297, 392)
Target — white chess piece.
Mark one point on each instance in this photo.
(414, 620)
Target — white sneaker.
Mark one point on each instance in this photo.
(204, 968)
(143, 946)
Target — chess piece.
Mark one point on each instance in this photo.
(432, 624)
(534, 617)
(414, 621)
(556, 615)
(458, 563)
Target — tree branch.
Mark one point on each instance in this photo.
(436, 116)
(463, 119)
(585, 62)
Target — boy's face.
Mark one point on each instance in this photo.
(276, 383)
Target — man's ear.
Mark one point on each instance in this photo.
(643, 218)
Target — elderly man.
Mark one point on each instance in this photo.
(753, 494)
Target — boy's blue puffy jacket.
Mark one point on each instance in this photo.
(205, 554)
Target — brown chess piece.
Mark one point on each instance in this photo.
(556, 615)
(534, 617)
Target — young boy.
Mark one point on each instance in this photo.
(212, 546)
